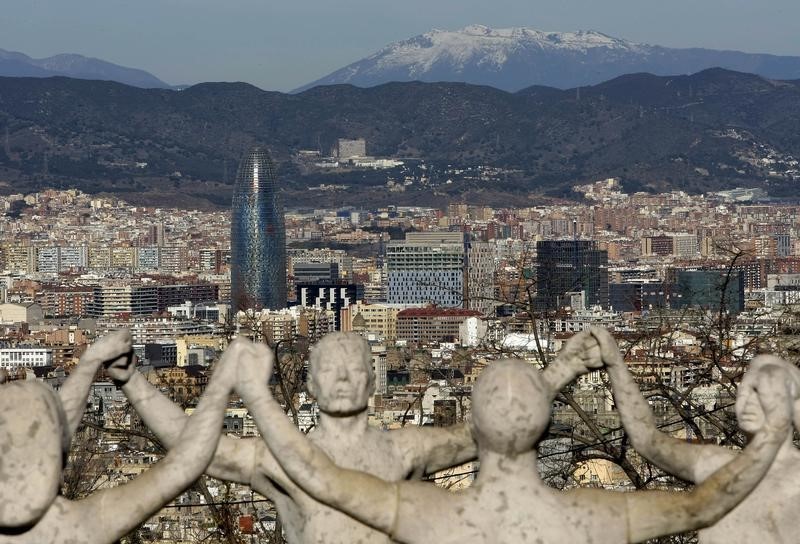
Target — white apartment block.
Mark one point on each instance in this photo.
(76, 257)
(55, 259)
(147, 258)
(47, 260)
(115, 298)
(25, 357)
(685, 245)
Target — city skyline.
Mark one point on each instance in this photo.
(463, 219)
(164, 274)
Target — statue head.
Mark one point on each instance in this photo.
(33, 444)
(341, 376)
(749, 413)
(510, 407)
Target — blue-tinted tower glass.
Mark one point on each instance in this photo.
(258, 236)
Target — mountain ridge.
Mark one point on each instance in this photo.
(516, 58)
(16, 64)
(703, 132)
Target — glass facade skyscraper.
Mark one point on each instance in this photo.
(258, 236)
(568, 266)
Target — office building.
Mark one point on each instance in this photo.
(567, 267)
(657, 245)
(447, 269)
(709, 290)
(638, 296)
(315, 272)
(25, 357)
(258, 236)
(329, 296)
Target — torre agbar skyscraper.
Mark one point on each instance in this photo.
(258, 236)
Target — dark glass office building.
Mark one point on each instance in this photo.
(567, 266)
(258, 236)
(709, 289)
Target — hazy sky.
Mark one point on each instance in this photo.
(280, 45)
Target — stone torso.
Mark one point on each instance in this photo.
(60, 525)
(381, 453)
(769, 515)
(500, 514)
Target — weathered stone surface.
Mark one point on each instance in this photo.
(508, 502)
(342, 380)
(36, 426)
(348, 483)
(769, 514)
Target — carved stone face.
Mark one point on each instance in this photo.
(749, 413)
(341, 374)
(31, 452)
(510, 407)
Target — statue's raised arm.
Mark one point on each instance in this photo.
(36, 435)
(509, 503)
(676, 456)
(113, 348)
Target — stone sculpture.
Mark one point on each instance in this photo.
(341, 379)
(770, 513)
(508, 503)
(36, 426)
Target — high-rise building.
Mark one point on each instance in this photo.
(444, 268)
(709, 290)
(566, 267)
(155, 234)
(329, 295)
(258, 236)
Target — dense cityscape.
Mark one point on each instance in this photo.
(438, 293)
(399, 273)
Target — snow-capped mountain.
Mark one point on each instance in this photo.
(515, 58)
(14, 64)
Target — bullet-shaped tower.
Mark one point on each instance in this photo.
(258, 236)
